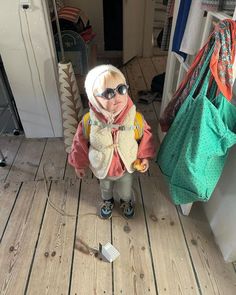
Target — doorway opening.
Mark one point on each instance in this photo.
(113, 24)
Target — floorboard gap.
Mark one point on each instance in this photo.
(11, 211)
(36, 244)
(148, 235)
(190, 256)
(73, 250)
(36, 173)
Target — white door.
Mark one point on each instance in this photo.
(133, 16)
(29, 59)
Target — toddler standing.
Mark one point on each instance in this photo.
(110, 138)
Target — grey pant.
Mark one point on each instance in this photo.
(122, 185)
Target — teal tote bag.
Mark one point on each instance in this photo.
(193, 152)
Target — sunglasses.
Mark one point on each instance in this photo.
(109, 93)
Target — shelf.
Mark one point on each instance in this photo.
(180, 59)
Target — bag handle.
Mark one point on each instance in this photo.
(201, 74)
(205, 85)
(213, 90)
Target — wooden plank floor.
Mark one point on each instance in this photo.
(48, 244)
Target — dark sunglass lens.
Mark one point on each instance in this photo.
(108, 93)
(122, 89)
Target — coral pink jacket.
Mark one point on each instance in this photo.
(78, 156)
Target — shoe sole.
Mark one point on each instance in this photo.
(128, 217)
(105, 218)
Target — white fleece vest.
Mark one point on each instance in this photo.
(102, 146)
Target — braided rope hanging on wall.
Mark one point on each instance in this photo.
(71, 104)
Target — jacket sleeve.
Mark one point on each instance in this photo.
(78, 156)
(147, 149)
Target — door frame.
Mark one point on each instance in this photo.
(147, 46)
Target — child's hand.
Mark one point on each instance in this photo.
(145, 164)
(80, 173)
(141, 165)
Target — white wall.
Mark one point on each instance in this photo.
(29, 60)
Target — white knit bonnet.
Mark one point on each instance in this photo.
(90, 82)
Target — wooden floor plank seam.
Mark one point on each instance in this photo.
(13, 206)
(170, 254)
(154, 65)
(56, 236)
(36, 244)
(214, 274)
(148, 235)
(27, 160)
(18, 245)
(44, 148)
(66, 163)
(89, 273)
(74, 242)
(144, 77)
(189, 252)
(133, 269)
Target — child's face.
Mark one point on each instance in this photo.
(115, 104)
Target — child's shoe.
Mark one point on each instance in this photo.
(128, 208)
(106, 208)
